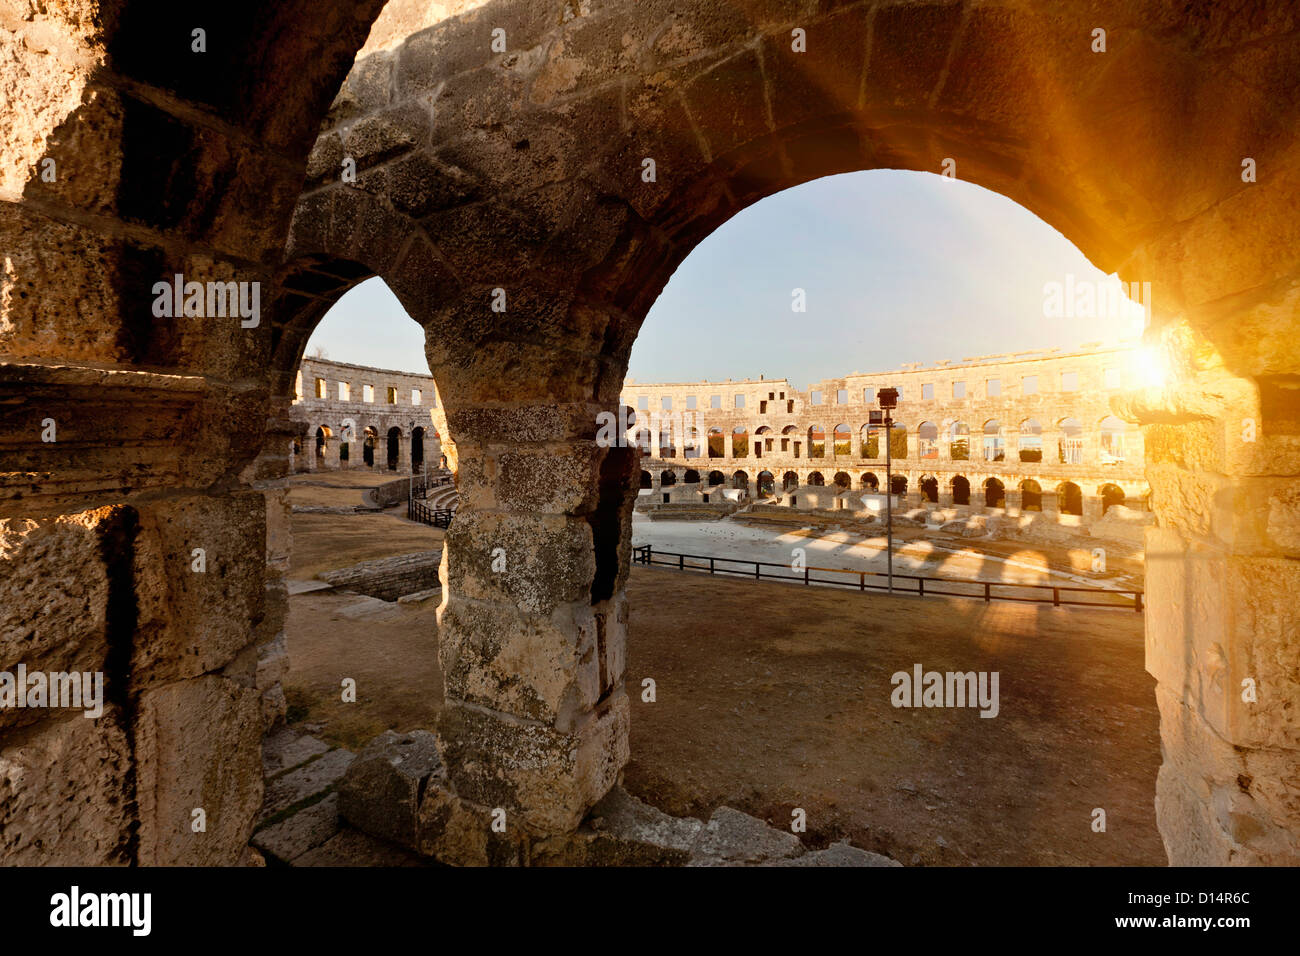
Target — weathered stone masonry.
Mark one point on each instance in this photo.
(521, 171)
(1038, 431)
(354, 416)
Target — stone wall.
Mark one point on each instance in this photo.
(501, 196)
(389, 578)
(338, 427)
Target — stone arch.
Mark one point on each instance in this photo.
(930, 488)
(692, 477)
(995, 495)
(994, 444)
(1110, 494)
(600, 246)
(1112, 440)
(960, 490)
(927, 441)
(369, 441)
(816, 441)
(417, 448)
(789, 481)
(667, 478)
(842, 441)
(1030, 441)
(766, 484)
(898, 484)
(868, 443)
(739, 442)
(716, 478)
(1031, 495)
(647, 480)
(959, 441)
(717, 442)
(394, 447)
(869, 482)
(740, 479)
(842, 480)
(1069, 497)
(1069, 447)
(816, 480)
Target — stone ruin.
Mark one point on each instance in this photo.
(502, 192)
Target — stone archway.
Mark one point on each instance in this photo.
(530, 252)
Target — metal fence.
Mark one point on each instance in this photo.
(907, 584)
(417, 510)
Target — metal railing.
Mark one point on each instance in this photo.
(417, 510)
(905, 584)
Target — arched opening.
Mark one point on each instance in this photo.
(927, 440)
(898, 442)
(790, 443)
(1111, 495)
(869, 482)
(1069, 498)
(868, 443)
(739, 442)
(717, 443)
(368, 444)
(995, 495)
(789, 481)
(898, 485)
(959, 441)
(1031, 495)
(740, 480)
(667, 478)
(642, 440)
(417, 449)
(1070, 444)
(816, 480)
(960, 490)
(994, 449)
(766, 484)
(716, 478)
(394, 447)
(843, 441)
(1112, 450)
(842, 480)
(762, 441)
(816, 442)
(647, 480)
(930, 488)
(322, 439)
(1031, 440)
(692, 477)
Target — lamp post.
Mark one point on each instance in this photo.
(888, 398)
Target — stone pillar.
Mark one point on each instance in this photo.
(533, 624)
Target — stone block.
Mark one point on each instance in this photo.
(380, 793)
(301, 832)
(65, 793)
(197, 746)
(732, 838)
(308, 780)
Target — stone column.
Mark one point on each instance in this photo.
(532, 628)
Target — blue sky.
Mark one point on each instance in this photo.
(895, 266)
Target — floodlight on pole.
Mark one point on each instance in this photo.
(888, 399)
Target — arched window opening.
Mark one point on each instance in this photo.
(959, 441)
(927, 440)
(869, 482)
(667, 478)
(716, 478)
(842, 480)
(1031, 440)
(995, 495)
(789, 481)
(960, 490)
(647, 480)
(766, 484)
(1111, 495)
(898, 485)
(930, 488)
(1070, 444)
(843, 441)
(816, 480)
(1070, 499)
(994, 450)
(717, 443)
(739, 442)
(816, 442)
(1031, 496)
(1112, 449)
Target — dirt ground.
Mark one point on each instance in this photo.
(772, 696)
